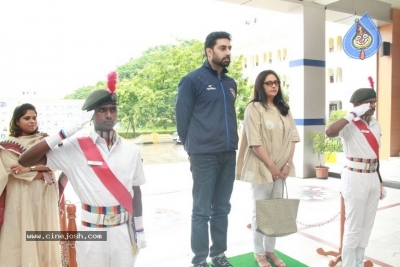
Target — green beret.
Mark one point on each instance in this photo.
(99, 97)
(362, 94)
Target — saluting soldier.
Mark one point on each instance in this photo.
(361, 185)
(106, 173)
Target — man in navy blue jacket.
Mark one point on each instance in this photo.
(206, 122)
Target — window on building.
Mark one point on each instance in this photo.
(331, 76)
(338, 74)
(283, 80)
(334, 105)
(265, 58)
(331, 45)
(284, 54)
(279, 55)
(256, 60)
(339, 42)
(269, 57)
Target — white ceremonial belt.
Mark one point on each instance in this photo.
(105, 219)
(362, 165)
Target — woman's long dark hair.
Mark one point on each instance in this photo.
(19, 112)
(259, 94)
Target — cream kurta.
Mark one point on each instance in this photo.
(266, 128)
(30, 206)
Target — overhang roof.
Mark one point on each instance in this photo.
(342, 11)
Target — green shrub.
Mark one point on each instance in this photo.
(335, 143)
(336, 115)
(322, 144)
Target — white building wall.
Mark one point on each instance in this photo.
(52, 115)
(354, 73)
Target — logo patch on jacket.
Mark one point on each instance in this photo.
(211, 87)
(233, 92)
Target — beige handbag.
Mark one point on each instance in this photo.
(277, 217)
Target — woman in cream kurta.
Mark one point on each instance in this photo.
(31, 201)
(266, 152)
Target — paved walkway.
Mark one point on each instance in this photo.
(167, 212)
(167, 200)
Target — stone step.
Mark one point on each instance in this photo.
(395, 160)
(149, 139)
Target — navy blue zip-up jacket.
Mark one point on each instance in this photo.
(205, 111)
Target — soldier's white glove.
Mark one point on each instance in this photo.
(140, 236)
(141, 240)
(357, 112)
(78, 124)
(69, 130)
(383, 193)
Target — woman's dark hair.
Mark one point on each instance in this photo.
(212, 38)
(259, 94)
(19, 112)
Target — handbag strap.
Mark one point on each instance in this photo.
(284, 188)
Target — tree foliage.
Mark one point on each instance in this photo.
(148, 84)
(80, 93)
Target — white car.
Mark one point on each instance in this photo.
(175, 137)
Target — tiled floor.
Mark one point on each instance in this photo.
(167, 210)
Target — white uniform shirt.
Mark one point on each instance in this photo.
(354, 142)
(124, 160)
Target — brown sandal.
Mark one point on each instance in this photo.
(275, 260)
(262, 261)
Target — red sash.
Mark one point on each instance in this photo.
(368, 135)
(106, 176)
(371, 141)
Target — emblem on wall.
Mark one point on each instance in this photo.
(363, 39)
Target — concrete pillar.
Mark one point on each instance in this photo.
(388, 110)
(306, 39)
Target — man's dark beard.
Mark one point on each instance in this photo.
(221, 63)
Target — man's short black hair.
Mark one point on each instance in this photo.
(212, 38)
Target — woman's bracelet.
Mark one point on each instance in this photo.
(290, 166)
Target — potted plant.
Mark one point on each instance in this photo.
(334, 149)
(321, 145)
